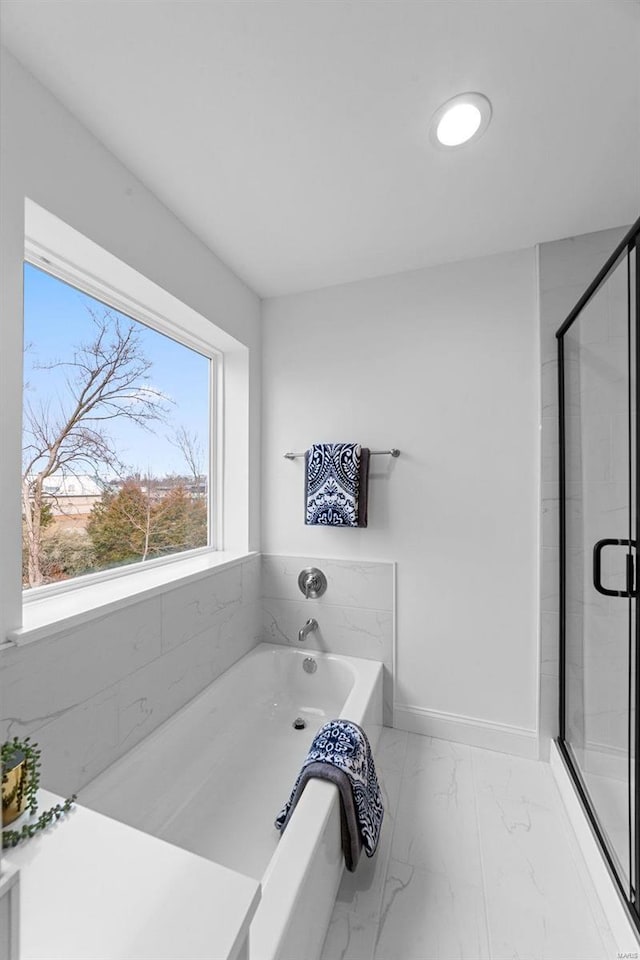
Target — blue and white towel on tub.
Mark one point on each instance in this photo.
(336, 479)
(341, 753)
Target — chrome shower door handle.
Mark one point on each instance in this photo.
(598, 547)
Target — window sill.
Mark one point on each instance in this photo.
(49, 615)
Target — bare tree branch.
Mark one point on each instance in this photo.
(191, 448)
(106, 379)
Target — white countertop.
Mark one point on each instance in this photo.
(92, 888)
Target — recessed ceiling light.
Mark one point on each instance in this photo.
(459, 120)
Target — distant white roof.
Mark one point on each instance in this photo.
(81, 485)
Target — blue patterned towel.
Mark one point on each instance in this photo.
(336, 485)
(340, 752)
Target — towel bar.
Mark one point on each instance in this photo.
(394, 452)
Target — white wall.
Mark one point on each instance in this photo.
(49, 157)
(442, 363)
(88, 692)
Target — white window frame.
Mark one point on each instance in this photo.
(184, 333)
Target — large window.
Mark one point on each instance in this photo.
(117, 427)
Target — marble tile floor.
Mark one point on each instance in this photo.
(477, 860)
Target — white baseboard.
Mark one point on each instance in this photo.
(615, 911)
(478, 733)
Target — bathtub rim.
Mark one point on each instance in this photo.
(298, 846)
(359, 668)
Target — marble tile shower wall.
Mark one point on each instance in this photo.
(355, 616)
(566, 268)
(89, 694)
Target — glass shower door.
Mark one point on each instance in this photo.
(598, 397)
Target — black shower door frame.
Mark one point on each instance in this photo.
(630, 895)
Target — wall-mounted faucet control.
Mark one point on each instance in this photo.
(312, 582)
(306, 630)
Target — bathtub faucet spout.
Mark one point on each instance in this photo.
(306, 630)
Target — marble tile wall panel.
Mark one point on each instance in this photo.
(549, 706)
(87, 695)
(549, 588)
(190, 610)
(252, 579)
(355, 583)
(549, 665)
(79, 743)
(355, 616)
(44, 678)
(151, 695)
(605, 680)
(550, 515)
(249, 618)
(356, 633)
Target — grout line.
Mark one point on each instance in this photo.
(327, 603)
(481, 853)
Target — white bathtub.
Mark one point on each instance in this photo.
(213, 777)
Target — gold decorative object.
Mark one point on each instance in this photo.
(14, 792)
(20, 760)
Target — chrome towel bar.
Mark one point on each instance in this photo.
(394, 452)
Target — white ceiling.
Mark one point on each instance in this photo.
(291, 136)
